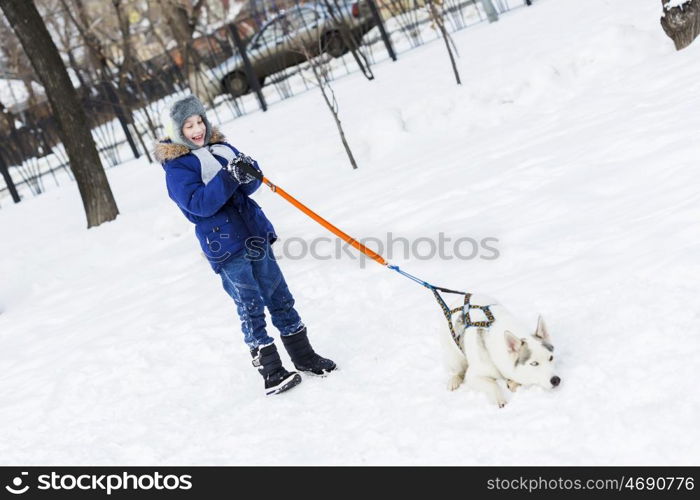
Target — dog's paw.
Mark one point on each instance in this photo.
(512, 386)
(454, 382)
(500, 399)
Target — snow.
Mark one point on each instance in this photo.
(676, 3)
(573, 140)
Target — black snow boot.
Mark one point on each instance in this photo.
(303, 355)
(277, 379)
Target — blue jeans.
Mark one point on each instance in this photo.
(254, 280)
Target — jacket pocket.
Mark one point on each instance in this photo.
(212, 224)
(217, 237)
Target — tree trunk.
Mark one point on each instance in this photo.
(72, 123)
(439, 21)
(320, 71)
(5, 171)
(682, 23)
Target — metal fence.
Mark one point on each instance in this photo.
(243, 67)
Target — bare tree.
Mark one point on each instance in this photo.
(96, 53)
(100, 33)
(7, 124)
(321, 73)
(682, 22)
(127, 63)
(16, 61)
(85, 163)
(348, 40)
(439, 22)
(182, 16)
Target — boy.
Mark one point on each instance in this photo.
(205, 179)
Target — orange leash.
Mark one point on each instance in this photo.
(378, 258)
(340, 234)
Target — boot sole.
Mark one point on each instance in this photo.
(293, 380)
(319, 375)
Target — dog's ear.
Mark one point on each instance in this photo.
(514, 343)
(541, 332)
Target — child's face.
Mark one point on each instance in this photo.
(194, 130)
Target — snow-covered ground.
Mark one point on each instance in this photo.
(573, 140)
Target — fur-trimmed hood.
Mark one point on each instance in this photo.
(166, 150)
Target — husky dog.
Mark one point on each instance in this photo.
(505, 350)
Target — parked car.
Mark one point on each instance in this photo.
(286, 39)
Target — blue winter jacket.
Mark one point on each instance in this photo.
(222, 211)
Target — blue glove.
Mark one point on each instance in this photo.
(236, 170)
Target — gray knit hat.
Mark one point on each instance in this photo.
(175, 115)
